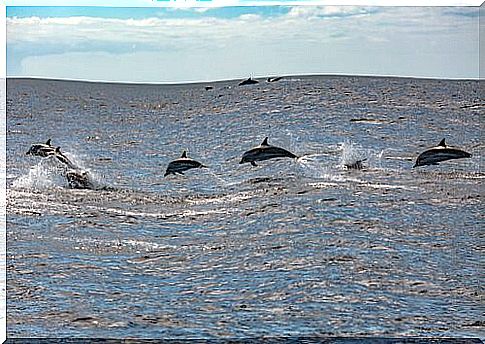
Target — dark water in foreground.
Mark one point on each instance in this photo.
(286, 248)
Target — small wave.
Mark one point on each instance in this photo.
(131, 243)
(389, 186)
(323, 185)
(161, 215)
(226, 199)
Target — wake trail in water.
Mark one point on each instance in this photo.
(221, 181)
(311, 166)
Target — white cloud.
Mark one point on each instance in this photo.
(329, 11)
(308, 39)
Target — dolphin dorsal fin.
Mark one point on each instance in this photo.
(265, 142)
(184, 154)
(48, 142)
(442, 143)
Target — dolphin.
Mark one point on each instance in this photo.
(182, 164)
(356, 165)
(78, 179)
(64, 159)
(274, 78)
(248, 81)
(264, 152)
(42, 149)
(440, 153)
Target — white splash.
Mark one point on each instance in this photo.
(46, 174)
(51, 173)
(351, 153)
(322, 166)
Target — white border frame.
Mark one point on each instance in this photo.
(155, 3)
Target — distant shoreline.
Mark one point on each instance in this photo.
(236, 80)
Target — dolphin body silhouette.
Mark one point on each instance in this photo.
(64, 159)
(274, 78)
(42, 149)
(356, 165)
(440, 153)
(248, 81)
(265, 152)
(182, 164)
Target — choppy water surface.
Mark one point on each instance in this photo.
(286, 248)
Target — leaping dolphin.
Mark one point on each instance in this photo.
(265, 152)
(42, 149)
(64, 159)
(182, 164)
(440, 153)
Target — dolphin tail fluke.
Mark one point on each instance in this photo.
(58, 150)
(204, 166)
(442, 143)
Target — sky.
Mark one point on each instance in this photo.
(172, 45)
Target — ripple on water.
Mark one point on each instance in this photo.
(299, 248)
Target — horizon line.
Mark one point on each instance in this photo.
(175, 83)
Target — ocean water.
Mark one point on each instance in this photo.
(289, 248)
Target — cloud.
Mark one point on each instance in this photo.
(330, 11)
(81, 32)
(302, 39)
